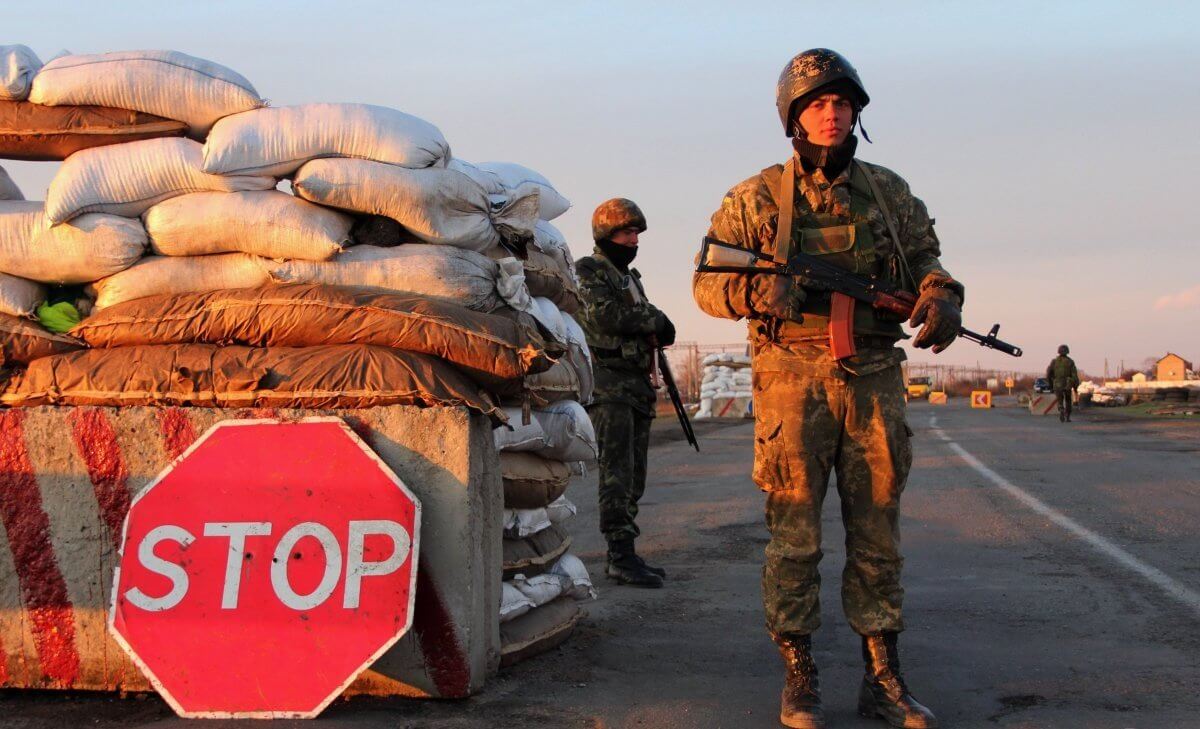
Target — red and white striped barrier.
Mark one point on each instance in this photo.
(1042, 404)
(68, 475)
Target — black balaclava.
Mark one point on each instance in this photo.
(620, 255)
(835, 159)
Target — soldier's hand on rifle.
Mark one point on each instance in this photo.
(938, 314)
(776, 296)
(664, 331)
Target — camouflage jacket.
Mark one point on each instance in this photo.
(1062, 373)
(618, 321)
(748, 218)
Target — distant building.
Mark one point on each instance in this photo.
(1172, 368)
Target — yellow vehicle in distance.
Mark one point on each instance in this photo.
(919, 387)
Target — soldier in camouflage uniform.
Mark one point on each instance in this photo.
(623, 328)
(1064, 378)
(813, 413)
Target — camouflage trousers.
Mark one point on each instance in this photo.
(624, 437)
(1062, 399)
(805, 428)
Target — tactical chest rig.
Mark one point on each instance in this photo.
(848, 244)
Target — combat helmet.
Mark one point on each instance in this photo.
(809, 71)
(613, 215)
(1064, 349)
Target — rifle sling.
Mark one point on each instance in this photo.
(887, 219)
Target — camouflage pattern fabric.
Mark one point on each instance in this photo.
(807, 426)
(624, 436)
(1062, 373)
(615, 214)
(618, 320)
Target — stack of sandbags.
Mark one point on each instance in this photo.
(542, 580)
(726, 389)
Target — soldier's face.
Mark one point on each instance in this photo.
(827, 119)
(625, 237)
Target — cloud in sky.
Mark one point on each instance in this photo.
(1189, 298)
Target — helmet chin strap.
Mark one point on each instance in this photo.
(858, 123)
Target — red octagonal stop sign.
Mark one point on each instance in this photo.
(265, 568)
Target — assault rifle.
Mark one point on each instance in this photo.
(845, 286)
(664, 370)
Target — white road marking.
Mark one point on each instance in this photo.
(1158, 578)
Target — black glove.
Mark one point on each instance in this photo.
(938, 310)
(776, 296)
(664, 331)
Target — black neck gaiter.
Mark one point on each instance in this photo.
(620, 255)
(830, 160)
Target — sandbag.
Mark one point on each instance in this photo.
(44, 133)
(562, 431)
(18, 65)
(442, 272)
(546, 278)
(537, 631)
(86, 248)
(8, 188)
(560, 382)
(22, 341)
(175, 275)
(489, 181)
(551, 203)
(129, 179)
(580, 357)
(20, 296)
(560, 511)
(577, 583)
(277, 141)
(535, 553)
(265, 223)
(531, 482)
(488, 347)
(435, 205)
(549, 240)
(540, 589)
(513, 604)
(206, 375)
(166, 83)
(521, 523)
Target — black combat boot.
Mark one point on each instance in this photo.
(627, 568)
(883, 692)
(649, 568)
(800, 705)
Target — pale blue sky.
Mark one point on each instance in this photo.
(1053, 142)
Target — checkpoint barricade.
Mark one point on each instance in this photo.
(69, 475)
(1042, 403)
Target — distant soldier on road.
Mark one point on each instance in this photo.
(623, 329)
(813, 413)
(1064, 379)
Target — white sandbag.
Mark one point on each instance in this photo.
(580, 356)
(489, 181)
(521, 523)
(561, 510)
(8, 188)
(180, 275)
(570, 435)
(84, 249)
(443, 272)
(513, 602)
(549, 240)
(128, 179)
(516, 436)
(167, 83)
(435, 205)
(551, 203)
(19, 296)
(266, 223)
(550, 317)
(541, 589)
(18, 65)
(577, 583)
(510, 284)
(277, 141)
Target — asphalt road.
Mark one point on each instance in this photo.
(1051, 576)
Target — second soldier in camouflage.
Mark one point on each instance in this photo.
(622, 329)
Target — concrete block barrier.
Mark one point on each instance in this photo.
(68, 475)
(1042, 403)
